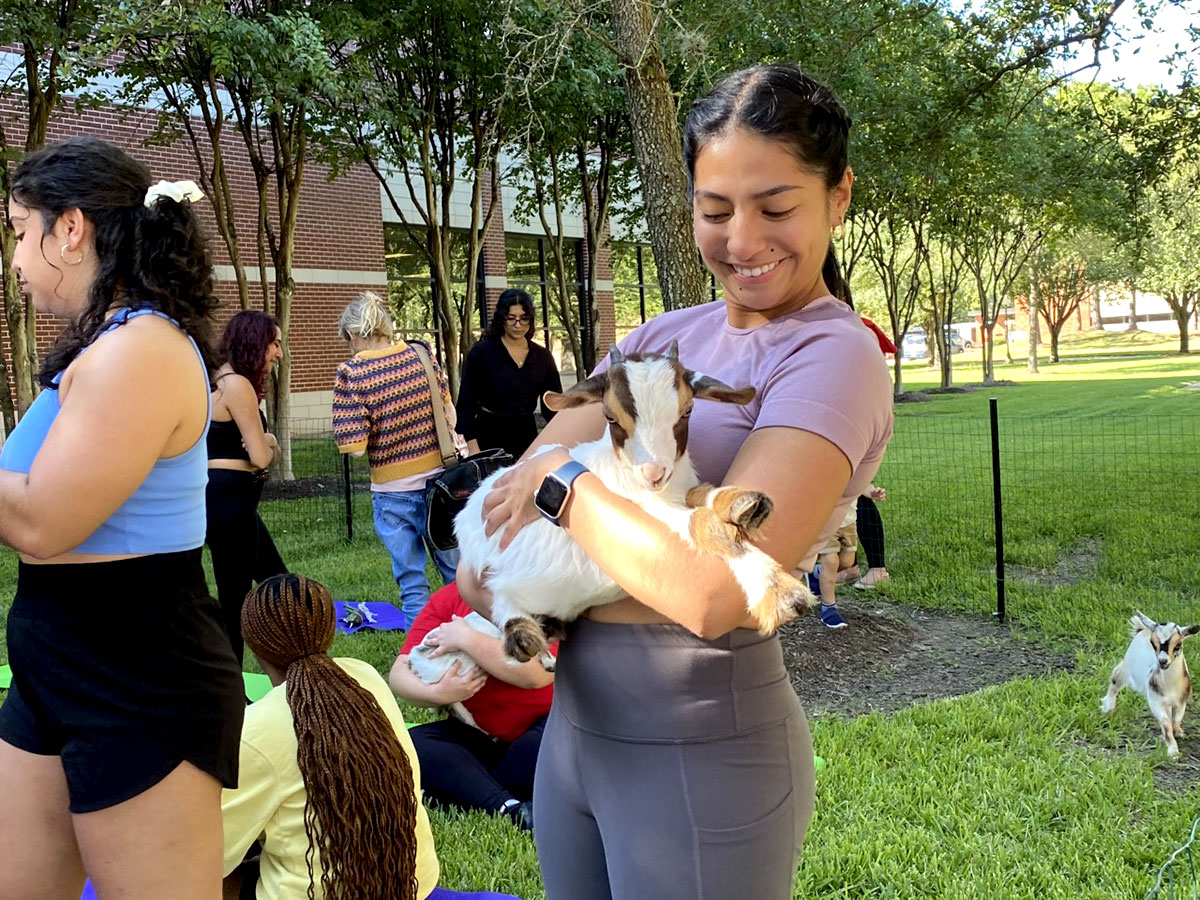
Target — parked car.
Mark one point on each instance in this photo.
(914, 346)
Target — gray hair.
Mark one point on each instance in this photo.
(365, 316)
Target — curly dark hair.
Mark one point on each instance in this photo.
(357, 777)
(783, 103)
(244, 345)
(508, 299)
(152, 256)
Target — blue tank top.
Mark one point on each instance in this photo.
(166, 512)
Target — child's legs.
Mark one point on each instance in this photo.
(828, 576)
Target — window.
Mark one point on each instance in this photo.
(410, 282)
(530, 266)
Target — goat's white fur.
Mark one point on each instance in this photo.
(1155, 667)
(431, 669)
(545, 573)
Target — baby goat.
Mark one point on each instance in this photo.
(1154, 666)
(544, 578)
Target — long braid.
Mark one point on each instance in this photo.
(361, 810)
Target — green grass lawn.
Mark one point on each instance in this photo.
(1019, 791)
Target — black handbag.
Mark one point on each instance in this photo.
(447, 493)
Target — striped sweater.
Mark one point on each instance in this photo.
(382, 404)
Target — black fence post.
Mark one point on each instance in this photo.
(997, 509)
(346, 491)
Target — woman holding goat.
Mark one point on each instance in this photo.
(672, 718)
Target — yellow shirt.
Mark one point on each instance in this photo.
(268, 803)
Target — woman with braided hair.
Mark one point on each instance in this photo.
(329, 777)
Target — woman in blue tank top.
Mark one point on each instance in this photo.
(123, 720)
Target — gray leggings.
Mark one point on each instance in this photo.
(672, 768)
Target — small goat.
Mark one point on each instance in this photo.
(431, 669)
(1155, 667)
(544, 578)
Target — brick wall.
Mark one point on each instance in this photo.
(339, 233)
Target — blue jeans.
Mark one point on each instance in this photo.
(400, 524)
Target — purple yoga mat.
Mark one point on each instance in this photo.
(380, 616)
(438, 894)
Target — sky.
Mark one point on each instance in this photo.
(1170, 28)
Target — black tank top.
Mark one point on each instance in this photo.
(225, 440)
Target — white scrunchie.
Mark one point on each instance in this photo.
(176, 190)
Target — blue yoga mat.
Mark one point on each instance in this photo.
(381, 616)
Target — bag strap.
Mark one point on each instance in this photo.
(446, 447)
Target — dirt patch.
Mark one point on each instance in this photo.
(302, 488)
(1077, 565)
(893, 656)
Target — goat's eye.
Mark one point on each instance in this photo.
(609, 417)
(687, 412)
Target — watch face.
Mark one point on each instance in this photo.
(551, 497)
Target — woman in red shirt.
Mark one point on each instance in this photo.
(489, 767)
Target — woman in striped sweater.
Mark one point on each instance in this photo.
(383, 406)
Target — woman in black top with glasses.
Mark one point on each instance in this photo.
(504, 378)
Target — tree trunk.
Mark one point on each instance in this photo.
(1034, 302)
(1182, 321)
(1054, 343)
(15, 318)
(656, 142)
(1133, 326)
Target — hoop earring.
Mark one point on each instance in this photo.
(62, 254)
(839, 231)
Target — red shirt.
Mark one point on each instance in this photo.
(502, 710)
(885, 343)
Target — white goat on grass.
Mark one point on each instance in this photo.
(544, 579)
(1155, 667)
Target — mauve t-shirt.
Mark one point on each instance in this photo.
(818, 369)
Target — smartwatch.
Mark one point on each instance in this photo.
(552, 496)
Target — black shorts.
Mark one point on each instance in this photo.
(123, 670)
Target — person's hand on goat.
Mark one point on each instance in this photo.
(458, 685)
(876, 493)
(509, 504)
(450, 636)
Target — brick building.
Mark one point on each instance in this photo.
(345, 228)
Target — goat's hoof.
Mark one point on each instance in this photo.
(749, 510)
(785, 599)
(523, 639)
(549, 663)
(1178, 731)
(1172, 752)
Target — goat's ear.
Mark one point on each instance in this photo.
(590, 390)
(1141, 622)
(707, 388)
(1189, 630)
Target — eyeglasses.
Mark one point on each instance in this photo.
(517, 320)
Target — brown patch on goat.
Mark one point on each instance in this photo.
(683, 390)
(620, 405)
(711, 535)
(745, 510)
(698, 495)
(523, 639)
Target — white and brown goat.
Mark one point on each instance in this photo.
(1155, 667)
(544, 579)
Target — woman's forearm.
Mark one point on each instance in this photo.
(653, 564)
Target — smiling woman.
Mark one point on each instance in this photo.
(714, 760)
